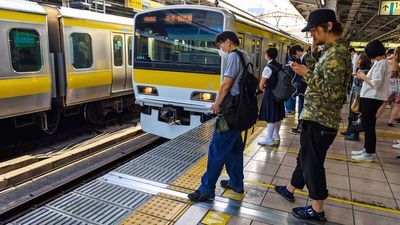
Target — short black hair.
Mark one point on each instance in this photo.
(374, 49)
(390, 51)
(365, 63)
(352, 50)
(293, 49)
(272, 53)
(225, 35)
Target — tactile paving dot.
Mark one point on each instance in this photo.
(163, 208)
(141, 218)
(188, 181)
(173, 197)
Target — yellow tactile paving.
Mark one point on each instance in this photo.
(233, 195)
(213, 217)
(163, 208)
(138, 218)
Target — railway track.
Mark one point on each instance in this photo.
(29, 181)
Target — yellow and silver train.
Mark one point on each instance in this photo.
(56, 61)
(177, 69)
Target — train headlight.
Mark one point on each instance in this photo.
(146, 90)
(203, 96)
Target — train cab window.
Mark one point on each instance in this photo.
(117, 50)
(178, 40)
(25, 50)
(81, 51)
(130, 50)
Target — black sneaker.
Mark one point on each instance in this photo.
(282, 190)
(397, 120)
(224, 184)
(199, 197)
(308, 213)
(295, 131)
(345, 133)
(398, 156)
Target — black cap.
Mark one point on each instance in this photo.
(318, 17)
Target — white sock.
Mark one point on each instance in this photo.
(270, 131)
(276, 131)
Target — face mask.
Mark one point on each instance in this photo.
(224, 55)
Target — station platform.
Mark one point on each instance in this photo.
(152, 188)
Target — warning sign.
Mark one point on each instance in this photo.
(389, 8)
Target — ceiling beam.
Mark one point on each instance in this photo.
(393, 20)
(367, 23)
(352, 14)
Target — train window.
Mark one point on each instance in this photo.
(81, 51)
(183, 37)
(117, 50)
(25, 50)
(130, 50)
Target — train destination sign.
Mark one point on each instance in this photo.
(389, 8)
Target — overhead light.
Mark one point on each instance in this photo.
(322, 2)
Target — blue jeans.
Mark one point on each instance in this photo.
(226, 148)
(290, 104)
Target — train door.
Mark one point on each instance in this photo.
(128, 57)
(121, 62)
(257, 52)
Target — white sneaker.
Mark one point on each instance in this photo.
(358, 152)
(397, 141)
(396, 145)
(364, 157)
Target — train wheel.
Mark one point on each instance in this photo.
(94, 113)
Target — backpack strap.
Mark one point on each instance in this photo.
(245, 66)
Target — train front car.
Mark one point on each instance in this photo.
(177, 68)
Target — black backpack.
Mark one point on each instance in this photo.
(284, 88)
(241, 111)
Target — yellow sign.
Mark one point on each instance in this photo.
(143, 4)
(389, 8)
(215, 218)
(233, 195)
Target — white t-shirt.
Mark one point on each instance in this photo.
(380, 80)
(267, 72)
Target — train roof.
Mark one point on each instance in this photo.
(88, 15)
(241, 16)
(22, 6)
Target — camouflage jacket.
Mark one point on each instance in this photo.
(327, 83)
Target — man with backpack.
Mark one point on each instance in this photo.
(226, 146)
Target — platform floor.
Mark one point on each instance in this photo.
(152, 188)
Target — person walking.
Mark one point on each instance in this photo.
(327, 79)
(226, 146)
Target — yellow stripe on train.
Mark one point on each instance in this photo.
(89, 79)
(22, 16)
(97, 25)
(24, 86)
(198, 81)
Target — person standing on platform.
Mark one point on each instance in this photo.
(271, 111)
(226, 146)
(297, 52)
(327, 76)
(374, 92)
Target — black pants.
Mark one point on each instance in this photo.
(369, 107)
(315, 140)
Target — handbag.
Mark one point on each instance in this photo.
(355, 105)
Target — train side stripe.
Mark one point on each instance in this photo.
(22, 16)
(178, 79)
(95, 24)
(89, 79)
(24, 86)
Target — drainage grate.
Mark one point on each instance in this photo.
(114, 194)
(49, 217)
(89, 209)
(143, 171)
(175, 143)
(167, 149)
(176, 156)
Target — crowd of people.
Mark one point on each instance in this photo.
(324, 75)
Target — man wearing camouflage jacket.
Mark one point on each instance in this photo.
(327, 74)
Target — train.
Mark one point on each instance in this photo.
(57, 61)
(177, 69)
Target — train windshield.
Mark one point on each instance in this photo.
(178, 40)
